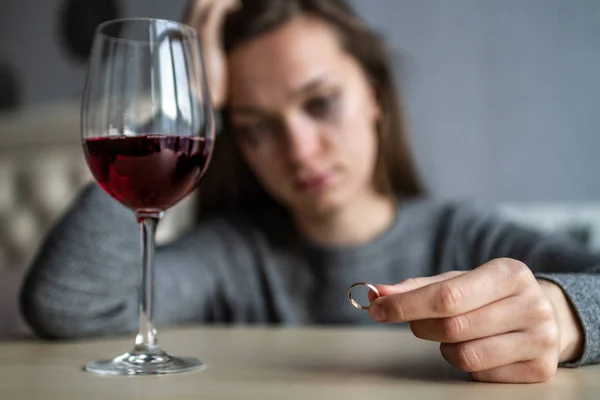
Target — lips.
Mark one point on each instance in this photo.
(314, 182)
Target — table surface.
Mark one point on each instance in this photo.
(271, 363)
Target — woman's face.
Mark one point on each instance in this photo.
(304, 116)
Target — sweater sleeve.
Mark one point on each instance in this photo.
(85, 280)
(473, 237)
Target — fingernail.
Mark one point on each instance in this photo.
(377, 312)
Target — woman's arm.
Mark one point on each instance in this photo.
(86, 278)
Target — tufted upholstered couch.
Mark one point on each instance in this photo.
(41, 170)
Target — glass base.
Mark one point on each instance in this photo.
(144, 363)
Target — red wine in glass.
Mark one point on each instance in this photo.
(147, 129)
(148, 172)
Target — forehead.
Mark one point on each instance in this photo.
(264, 70)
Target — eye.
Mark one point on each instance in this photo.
(322, 106)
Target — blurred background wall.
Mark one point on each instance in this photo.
(503, 96)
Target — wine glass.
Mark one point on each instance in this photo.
(147, 133)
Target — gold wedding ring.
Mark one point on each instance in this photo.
(354, 302)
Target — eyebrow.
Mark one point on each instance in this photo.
(308, 87)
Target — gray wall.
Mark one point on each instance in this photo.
(30, 41)
(503, 96)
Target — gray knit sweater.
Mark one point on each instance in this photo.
(85, 279)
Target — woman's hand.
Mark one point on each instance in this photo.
(208, 16)
(496, 322)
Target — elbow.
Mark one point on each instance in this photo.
(55, 318)
(42, 321)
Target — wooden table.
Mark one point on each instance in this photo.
(259, 363)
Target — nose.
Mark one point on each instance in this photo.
(303, 137)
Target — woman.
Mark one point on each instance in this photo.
(312, 188)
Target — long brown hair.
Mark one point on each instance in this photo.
(230, 185)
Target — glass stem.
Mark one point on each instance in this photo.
(146, 339)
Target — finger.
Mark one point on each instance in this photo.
(491, 282)
(411, 284)
(508, 315)
(208, 15)
(201, 6)
(491, 352)
(198, 10)
(214, 16)
(533, 371)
